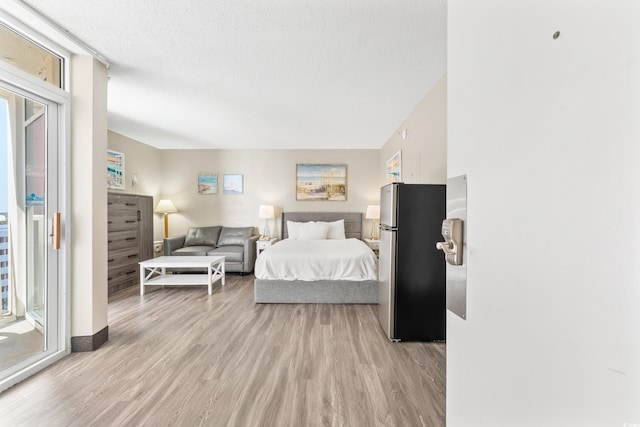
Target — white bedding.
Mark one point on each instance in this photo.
(310, 260)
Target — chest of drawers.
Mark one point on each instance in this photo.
(130, 238)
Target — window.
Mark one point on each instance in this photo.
(30, 57)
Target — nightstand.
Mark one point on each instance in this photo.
(261, 245)
(373, 244)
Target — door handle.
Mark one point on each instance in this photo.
(453, 243)
(56, 230)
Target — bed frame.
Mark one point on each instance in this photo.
(325, 291)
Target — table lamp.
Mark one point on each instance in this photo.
(266, 213)
(373, 213)
(166, 207)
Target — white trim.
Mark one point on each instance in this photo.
(26, 372)
(64, 206)
(18, 78)
(25, 18)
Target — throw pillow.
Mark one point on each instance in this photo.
(336, 230)
(312, 231)
(293, 230)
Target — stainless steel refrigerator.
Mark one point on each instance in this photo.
(411, 286)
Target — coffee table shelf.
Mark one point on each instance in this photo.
(153, 272)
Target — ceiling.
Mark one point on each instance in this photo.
(249, 74)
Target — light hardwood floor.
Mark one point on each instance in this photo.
(18, 340)
(181, 357)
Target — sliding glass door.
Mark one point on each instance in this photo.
(32, 324)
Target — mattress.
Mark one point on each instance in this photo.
(314, 260)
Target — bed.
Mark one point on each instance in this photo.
(345, 287)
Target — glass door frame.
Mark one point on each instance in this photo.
(58, 312)
(33, 282)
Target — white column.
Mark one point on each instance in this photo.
(88, 196)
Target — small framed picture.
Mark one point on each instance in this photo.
(394, 168)
(115, 170)
(207, 183)
(232, 184)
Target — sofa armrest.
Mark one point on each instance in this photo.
(249, 258)
(173, 243)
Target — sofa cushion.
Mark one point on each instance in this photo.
(202, 236)
(193, 251)
(230, 253)
(234, 235)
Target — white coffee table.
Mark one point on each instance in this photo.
(153, 272)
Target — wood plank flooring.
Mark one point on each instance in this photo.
(180, 357)
(18, 341)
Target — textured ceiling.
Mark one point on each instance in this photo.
(261, 74)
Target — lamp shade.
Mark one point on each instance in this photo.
(373, 212)
(266, 212)
(165, 206)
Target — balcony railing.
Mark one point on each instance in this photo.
(4, 266)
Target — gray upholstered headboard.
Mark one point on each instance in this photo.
(352, 221)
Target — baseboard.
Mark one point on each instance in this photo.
(91, 342)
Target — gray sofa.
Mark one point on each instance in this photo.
(237, 244)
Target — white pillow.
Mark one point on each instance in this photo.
(293, 229)
(336, 230)
(312, 231)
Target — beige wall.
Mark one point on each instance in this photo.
(145, 162)
(269, 175)
(269, 178)
(140, 159)
(424, 151)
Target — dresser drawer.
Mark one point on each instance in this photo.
(127, 270)
(124, 200)
(122, 239)
(122, 224)
(120, 257)
(121, 282)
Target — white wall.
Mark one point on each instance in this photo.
(548, 133)
(424, 151)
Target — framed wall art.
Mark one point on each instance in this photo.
(115, 170)
(232, 184)
(207, 183)
(394, 168)
(321, 182)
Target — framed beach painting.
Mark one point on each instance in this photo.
(394, 168)
(321, 182)
(207, 183)
(115, 170)
(232, 184)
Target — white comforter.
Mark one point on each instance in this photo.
(310, 260)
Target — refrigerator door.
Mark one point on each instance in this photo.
(387, 282)
(388, 203)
